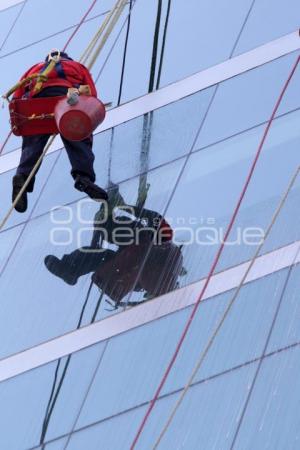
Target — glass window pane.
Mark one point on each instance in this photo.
(7, 241)
(43, 403)
(56, 22)
(7, 17)
(286, 330)
(24, 402)
(247, 100)
(216, 176)
(212, 424)
(198, 36)
(240, 340)
(278, 19)
(272, 419)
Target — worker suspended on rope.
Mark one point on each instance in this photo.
(60, 76)
(116, 271)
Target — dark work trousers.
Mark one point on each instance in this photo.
(79, 152)
(83, 261)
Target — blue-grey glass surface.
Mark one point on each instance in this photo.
(7, 17)
(217, 174)
(111, 383)
(198, 36)
(205, 404)
(286, 330)
(271, 420)
(247, 100)
(35, 304)
(30, 414)
(216, 421)
(8, 239)
(268, 20)
(59, 16)
(240, 340)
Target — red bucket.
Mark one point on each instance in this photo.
(77, 122)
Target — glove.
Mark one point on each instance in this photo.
(84, 89)
(72, 91)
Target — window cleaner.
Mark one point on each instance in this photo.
(61, 77)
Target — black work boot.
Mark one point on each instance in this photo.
(84, 184)
(59, 269)
(18, 183)
(31, 185)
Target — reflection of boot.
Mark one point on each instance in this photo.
(18, 183)
(58, 268)
(84, 184)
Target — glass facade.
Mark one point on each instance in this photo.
(67, 262)
(84, 397)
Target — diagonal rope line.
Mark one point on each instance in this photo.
(227, 310)
(6, 141)
(79, 24)
(13, 25)
(88, 51)
(217, 257)
(114, 43)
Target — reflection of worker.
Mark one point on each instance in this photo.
(66, 77)
(155, 263)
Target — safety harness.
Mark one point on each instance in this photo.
(53, 61)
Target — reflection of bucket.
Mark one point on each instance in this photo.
(77, 122)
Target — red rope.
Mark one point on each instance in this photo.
(80, 23)
(216, 260)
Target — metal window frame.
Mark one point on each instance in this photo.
(176, 91)
(145, 313)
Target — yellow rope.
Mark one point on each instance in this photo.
(221, 322)
(113, 16)
(44, 75)
(22, 83)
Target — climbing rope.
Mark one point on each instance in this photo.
(103, 39)
(79, 25)
(216, 260)
(5, 141)
(117, 11)
(87, 53)
(228, 309)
